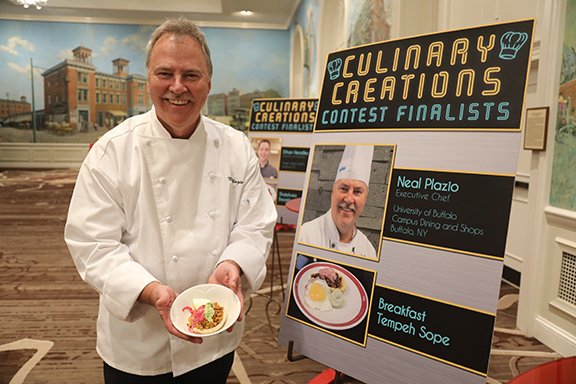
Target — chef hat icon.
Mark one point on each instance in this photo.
(356, 163)
(510, 44)
(334, 68)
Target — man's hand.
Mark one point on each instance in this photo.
(161, 297)
(228, 273)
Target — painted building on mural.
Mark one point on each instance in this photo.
(78, 98)
(11, 108)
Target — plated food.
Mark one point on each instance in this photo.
(325, 290)
(205, 310)
(330, 295)
(205, 316)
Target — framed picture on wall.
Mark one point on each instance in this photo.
(536, 128)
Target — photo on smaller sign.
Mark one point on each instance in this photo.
(332, 297)
(346, 196)
(268, 150)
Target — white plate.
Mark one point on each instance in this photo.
(213, 292)
(356, 299)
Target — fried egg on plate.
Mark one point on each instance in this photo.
(317, 295)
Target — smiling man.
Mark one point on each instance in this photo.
(337, 229)
(263, 152)
(165, 201)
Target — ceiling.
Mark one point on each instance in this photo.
(267, 14)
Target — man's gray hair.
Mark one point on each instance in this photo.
(180, 27)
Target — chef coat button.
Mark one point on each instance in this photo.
(148, 142)
(162, 180)
(212, 214)
(168, 219)
(214, 253)
(211, 175)
(174, 258)
(216, 143)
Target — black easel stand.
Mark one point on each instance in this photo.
(276, 258)
(275, 253)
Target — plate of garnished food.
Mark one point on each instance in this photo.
(330, 296)
(205, 310)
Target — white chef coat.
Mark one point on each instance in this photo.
(322, 232)
(150, 207)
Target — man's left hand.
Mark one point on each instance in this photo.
(228, 273)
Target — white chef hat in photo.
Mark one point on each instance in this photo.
(356, 163)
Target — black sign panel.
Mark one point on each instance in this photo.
(437, 329)
(294, 159)
(283, 115)
(459, 211)
(467, 79)
(285, 195)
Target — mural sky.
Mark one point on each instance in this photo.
(245, 59)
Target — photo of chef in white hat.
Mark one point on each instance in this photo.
(337, 229)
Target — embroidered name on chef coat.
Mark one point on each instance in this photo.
(234, 181)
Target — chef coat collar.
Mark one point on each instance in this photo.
(158, 130)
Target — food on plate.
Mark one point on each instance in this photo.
(317, 295)
(336, 299)
(332, 278)
(205, 317)
(324, 290)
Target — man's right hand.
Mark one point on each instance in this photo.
(161, 297)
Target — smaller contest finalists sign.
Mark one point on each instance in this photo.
(289, 121)
(465, 79)
(283, 115)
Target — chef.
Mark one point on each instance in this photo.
(165, 201)
(336, 229)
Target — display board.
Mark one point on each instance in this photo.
(398, 257)
(285, 127)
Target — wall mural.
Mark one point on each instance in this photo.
(306, 17)
(86, 78)
(563, 185)
(368, 21)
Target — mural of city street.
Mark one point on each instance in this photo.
(82, 79)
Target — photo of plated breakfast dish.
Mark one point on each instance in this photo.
(325, 290)
(330, 295)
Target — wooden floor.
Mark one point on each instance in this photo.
(42, 299)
